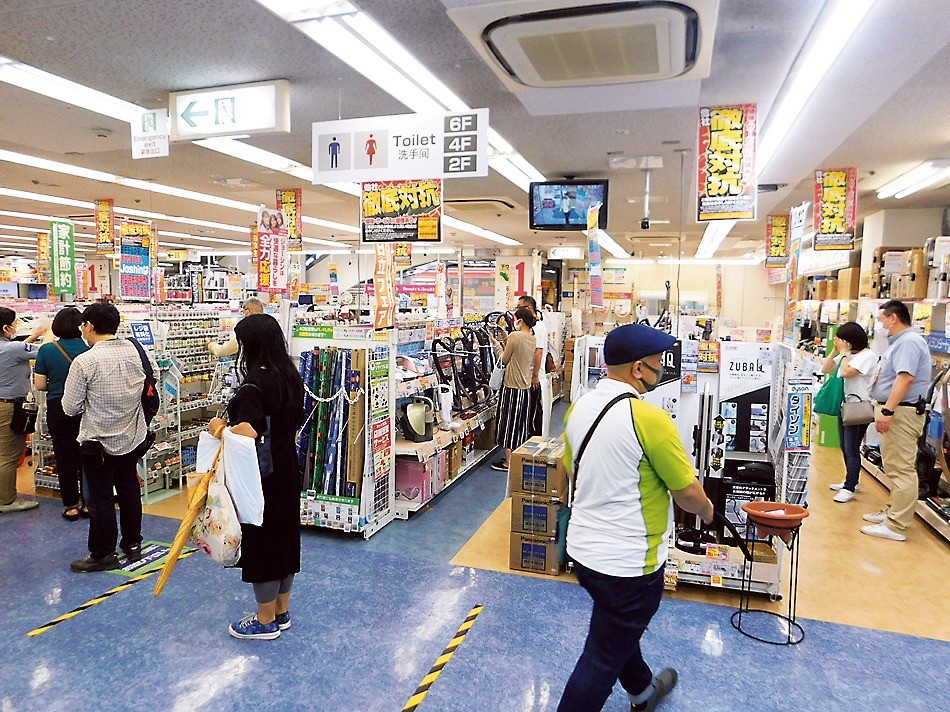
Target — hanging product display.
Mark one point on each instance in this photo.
(135, 277)
(105, 226)
(272, 257)
(63, 245)
(776, 241)
(401, 211)
(290, 203)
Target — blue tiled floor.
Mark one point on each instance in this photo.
(371, 617)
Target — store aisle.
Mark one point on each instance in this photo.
(368, 625)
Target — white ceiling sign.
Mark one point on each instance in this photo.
(404, 146)
(150, 134)
(566, 253)
(262, 107)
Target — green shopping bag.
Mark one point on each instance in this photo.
(830, 396)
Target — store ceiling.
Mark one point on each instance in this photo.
(882, 107)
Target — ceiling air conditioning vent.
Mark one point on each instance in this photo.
(596, 44)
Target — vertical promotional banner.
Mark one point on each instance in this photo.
(384, 286)
(63, 236)
(159, 294)
(776, 241)
(254, 245)
(135, 274)
(728, 187)
(153, 243)
(334, 281)
(272, 255)
(796, 233)
(798, 409)
(593, 257)
(290, 203)
(401, 211)
(402, 254)
(105, 226)
(836, 208)
(42, 258)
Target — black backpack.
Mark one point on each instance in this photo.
(151, 401)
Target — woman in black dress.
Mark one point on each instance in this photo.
(271, 388)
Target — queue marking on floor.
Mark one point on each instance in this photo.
(423, 689)
(99, 599)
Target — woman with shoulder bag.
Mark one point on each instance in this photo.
(15, 357)
(855, 363)
(49, 374)
(522, 359)
(269, 402)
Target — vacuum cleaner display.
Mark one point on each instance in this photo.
(416, 418)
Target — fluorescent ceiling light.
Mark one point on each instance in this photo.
(836, 26)
(695, 261)
(449, 221)
(629, 261)
(923, 176)
(258, 156)
(713, 236)
(36, 80)
(362, 43)
(609, 244)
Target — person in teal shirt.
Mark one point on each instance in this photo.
(52, 366)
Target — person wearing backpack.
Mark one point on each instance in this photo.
(53, 361)
(108, 385)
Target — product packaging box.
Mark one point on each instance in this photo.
(485, 437)
(868, 287)
(537, 554)
(848, 284)
(413, 479)
(832, 292)
(355, 432)
(455, 460)
(534, 514)
(439, 472)
(821, 289)
(537, 467)
(892, 262)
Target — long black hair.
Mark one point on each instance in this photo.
(263, 361)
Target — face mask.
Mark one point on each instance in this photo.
(659, 376)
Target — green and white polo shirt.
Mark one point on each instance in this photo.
(622, 515)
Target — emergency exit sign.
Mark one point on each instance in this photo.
(262, 107)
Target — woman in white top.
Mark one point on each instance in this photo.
(856, 367)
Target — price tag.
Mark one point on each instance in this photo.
(716, 580)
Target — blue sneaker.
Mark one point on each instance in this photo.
(283, 620)
(252, 629)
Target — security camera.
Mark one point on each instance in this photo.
(645, 224)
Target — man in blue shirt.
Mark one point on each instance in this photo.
(900, 390)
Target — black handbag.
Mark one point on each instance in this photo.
(24, 416)
(265, 456)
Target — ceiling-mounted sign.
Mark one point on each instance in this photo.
(63, 237)
(150, 134)
(290, 202)
(776, 241)
(450, 145)
(178, 255)
(105, 226)
(135, 260)
(401, 211)
(836, 208)
(261, 107)
(727, 183)
(566, 253)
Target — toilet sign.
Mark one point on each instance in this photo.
(402, 147)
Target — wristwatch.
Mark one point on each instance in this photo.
(887, 412)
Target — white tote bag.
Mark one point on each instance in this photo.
(243, 477)
(497, 378)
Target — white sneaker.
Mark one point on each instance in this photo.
(844, 496)
(876, 517)
(840, 486)
(882, 531)
(19, 505)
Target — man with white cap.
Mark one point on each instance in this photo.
(629, 461)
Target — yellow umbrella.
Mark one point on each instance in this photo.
(197, 502)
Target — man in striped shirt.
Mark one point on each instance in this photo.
(622, 518)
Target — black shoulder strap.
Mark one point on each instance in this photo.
(146, 366)
(580, 452)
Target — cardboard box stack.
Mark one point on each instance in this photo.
(538, 483)
(848, 283)
(888, 264)
(937, 256)
(869, 285)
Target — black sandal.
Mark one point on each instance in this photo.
(71, 517)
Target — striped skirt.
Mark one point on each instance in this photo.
(513, 424)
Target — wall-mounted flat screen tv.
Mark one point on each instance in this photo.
(562, 205)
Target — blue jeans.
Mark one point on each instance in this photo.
(623, 608)
(851, 437)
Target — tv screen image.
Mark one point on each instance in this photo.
(562, 205)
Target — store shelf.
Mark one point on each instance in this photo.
(211, 333)
(923, 510)
(444, 438)
(479, 457)
(747, 456)
(415, 386)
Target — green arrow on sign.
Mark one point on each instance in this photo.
(188, 113)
